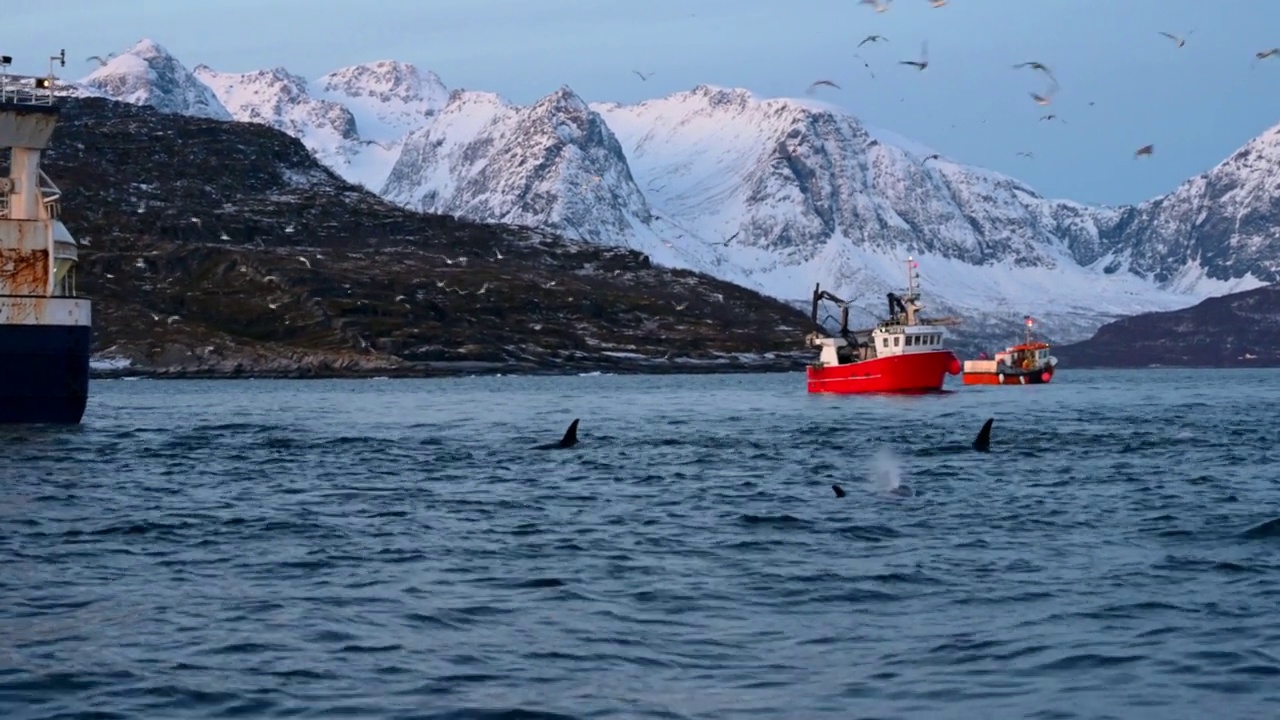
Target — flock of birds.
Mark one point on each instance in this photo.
(1042, 99)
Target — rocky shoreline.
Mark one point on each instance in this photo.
(768, 363)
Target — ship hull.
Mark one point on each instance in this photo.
(909, 374)
(1034, 377)
(44, 373)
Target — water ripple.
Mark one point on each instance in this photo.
(396, 550)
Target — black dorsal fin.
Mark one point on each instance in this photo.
(982, 443)
(571, 435)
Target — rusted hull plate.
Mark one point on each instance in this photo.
(25, 266)
(75, 312)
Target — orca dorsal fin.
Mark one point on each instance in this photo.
(571, 435)
(982, 443)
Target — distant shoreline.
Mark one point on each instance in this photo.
(468, 369)
(441, 370)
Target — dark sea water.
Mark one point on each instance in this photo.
(392, 549)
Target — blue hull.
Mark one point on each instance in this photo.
(44, 373)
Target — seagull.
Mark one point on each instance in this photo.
(305, 261)
(866, 65)
(730, 239)
(872, 38)
(923, 62)
(642, 75)
(1025, 154)
(1047, 97)
(821, 82)
(1144, 150)
(935, 156)
(1037, 66)
(1180, 40)
(1051, 116)
(878, 5)
(937, 3)
(1263, 55)
(101, 62)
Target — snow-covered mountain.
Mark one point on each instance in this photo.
(776, 194)
(1221, 225)
(353, 120)
(147, 74)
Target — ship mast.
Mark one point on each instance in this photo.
(911, 301)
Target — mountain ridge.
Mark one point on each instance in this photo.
(790, 192)
(226, 249)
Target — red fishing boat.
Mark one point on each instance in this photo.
(1028, 363)
(902, 354)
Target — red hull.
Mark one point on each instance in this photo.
(1031, 378)
(909, 373)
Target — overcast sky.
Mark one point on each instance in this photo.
(1197, 103)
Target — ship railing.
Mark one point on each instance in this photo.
(26, 90)
(50, 196)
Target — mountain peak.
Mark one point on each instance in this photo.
(146, 47)
(563, 99)
(388, 98)
(388, 80)
(148, 74)
(718, 96)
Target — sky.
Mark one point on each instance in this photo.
(1121, 84)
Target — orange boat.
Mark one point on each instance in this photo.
(903, 354)
(1028, 363)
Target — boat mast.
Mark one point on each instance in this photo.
(910, 301)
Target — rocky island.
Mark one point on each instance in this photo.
(223, 249)
(1237, 330)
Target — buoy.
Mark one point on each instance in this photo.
(1022, 379)
(1044, 376)
(1000, 378)
(954, 367)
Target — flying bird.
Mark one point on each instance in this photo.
(101, 62)
(729, 239)
(1263, 55)
(1047, 97)
(1025, 154)
(878, 5)
(937, 3)
(1178, 39)
(642, 75)
(935, 156)
(1144, 150)
(1037, 66)
(816, 83)
(1051, 116)
(872, 38)
(923, 62)
(866, 65)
